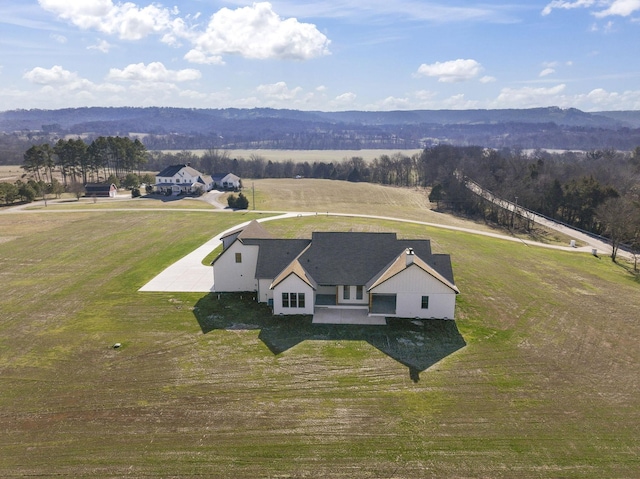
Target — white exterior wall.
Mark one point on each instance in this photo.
(229, 276)
(413, 283)
(352, 295)
(293, 284)
(231, 179)
(264, 293)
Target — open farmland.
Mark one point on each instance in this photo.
(326, 156)
(538, 378)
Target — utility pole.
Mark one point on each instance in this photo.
(253, 193)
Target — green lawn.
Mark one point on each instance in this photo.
(538, 378)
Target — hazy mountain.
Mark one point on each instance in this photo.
(180, 128)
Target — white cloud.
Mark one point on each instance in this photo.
(278, 91)
(451, 71)
(53, 75)
(529, 97)
(622, 8)
(562, 4)
(257, 32)
(458, 102)
(253, 32)
(153, 72)
(102, 46)
(59, 38)
(600, 99)
(196, 56)
(547, 72)
(488, 79)
(344, 99)
(126, 20)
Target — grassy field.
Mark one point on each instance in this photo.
(538, 377)
(296, 156)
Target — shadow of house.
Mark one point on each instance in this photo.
(416, 344)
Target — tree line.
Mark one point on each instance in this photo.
(77, 161)
(597, 190)
(590, 190)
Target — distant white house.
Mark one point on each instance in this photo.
(227, 181)
(378, 272)
(182, 179)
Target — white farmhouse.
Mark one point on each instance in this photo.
(182, 179)
(377, 272)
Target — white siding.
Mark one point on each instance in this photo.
(413, 283)
(229, 276)
(293, 284)
(352, 295)
(264, 293)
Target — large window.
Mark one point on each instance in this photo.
(425, 302)
(238, 257)
(293, 300)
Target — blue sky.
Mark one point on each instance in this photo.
(325, 55)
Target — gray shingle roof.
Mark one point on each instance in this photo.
(276, 254)
(170, 171)
(355, 258)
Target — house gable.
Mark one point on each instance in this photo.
(235, 268)
(404, 261)
(293, 295)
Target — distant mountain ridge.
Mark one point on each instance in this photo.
(71, 118)
(184, 128)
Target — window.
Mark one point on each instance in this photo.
(359, 292)
(425, 302)
(293, 300)
(346, 292)
(238, 257)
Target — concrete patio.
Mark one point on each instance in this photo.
(335, 315)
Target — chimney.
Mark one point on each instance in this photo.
(410, 256)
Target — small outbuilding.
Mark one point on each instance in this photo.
(102, 190)
(227, 181)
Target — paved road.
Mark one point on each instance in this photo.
(600, 246)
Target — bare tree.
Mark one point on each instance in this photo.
(621, 220)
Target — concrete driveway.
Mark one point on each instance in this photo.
(189, 275)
